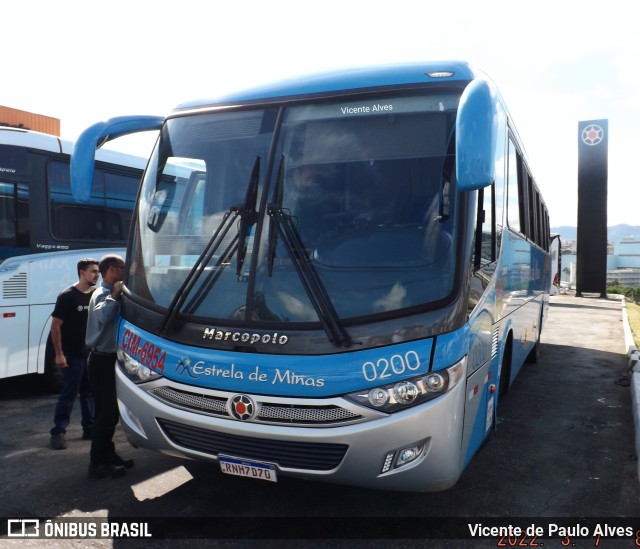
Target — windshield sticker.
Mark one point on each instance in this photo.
(366, 109)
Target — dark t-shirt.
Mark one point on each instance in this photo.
(72, 307)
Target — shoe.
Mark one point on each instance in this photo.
(57, 441)
(119, 462)
(104, 470)
(87, 435)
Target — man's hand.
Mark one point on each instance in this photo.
(117, 290)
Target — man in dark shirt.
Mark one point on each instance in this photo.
(68, 328)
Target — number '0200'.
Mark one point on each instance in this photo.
(386, 367)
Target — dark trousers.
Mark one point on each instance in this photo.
(74, 382)
(102, 377)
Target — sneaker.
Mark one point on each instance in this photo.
(104, 470)
(119, 462)
(57, 441)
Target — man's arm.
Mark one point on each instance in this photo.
(103, 310)
(106, 306)
(56, 339)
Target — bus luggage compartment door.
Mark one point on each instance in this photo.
(478, 412)
(15, 341)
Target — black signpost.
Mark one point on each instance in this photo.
(593, 141)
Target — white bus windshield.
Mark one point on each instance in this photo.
(362, 186)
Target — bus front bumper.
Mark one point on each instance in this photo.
(432, 431)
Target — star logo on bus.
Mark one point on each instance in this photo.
(592, 135)
(183, 367)
(242, 407)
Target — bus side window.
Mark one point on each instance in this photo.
(14, 215)
(485, 242)
(485, 245)
(7, 214)
(513, 191)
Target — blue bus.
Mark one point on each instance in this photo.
(334, 278)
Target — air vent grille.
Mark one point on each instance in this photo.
(15, 287)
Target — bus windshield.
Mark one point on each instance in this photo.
(263, 215)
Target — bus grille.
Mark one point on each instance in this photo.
(15, 287)
(267, 412)
(289, 454)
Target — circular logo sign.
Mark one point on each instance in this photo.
(242, 407)
(592, 134)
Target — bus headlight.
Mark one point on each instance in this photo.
(136, 372)
(403, 394)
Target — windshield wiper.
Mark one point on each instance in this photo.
(309, 277)
(248, 216)
(198, 268)
(307, 273)
(273, 234)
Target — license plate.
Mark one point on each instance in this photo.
(247, 468)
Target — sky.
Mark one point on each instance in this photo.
(555, 62)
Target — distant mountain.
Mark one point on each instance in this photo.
(566, 232)
(614, 233)
(618, 232)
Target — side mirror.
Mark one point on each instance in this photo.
(476, 136)
(84, 149)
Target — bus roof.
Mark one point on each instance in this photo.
(346, 79)
(124, 159)
(20, 137)
(35, 140)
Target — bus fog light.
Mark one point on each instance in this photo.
(378, 397)
(388, 462)
(405, 392)
(399, 458)
(407, 455)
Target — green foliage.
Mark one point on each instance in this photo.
(632, 293)
(633, 316)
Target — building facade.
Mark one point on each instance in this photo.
(15, 118)
(623, 262)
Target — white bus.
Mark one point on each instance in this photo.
(43, 233)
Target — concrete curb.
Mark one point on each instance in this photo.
(634, 369)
